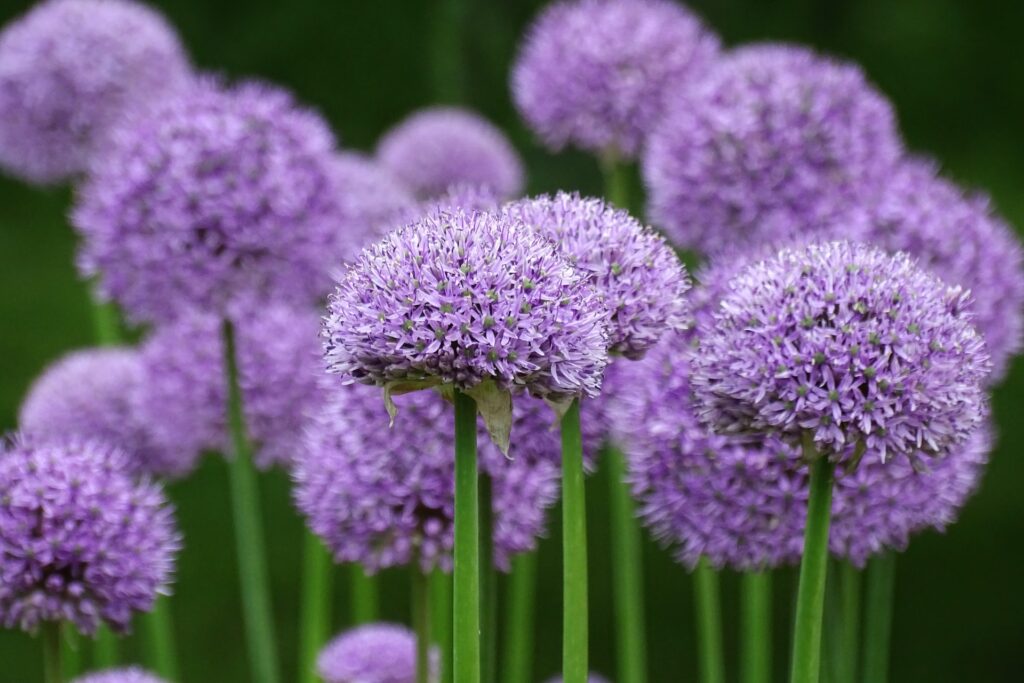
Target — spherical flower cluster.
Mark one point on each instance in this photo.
(183, 395)
(374, 653)
(80, 540)
(775, 142)
(214, 193)
(848, 344)
(69, 69)
(373, 202)
(460, 298)
(385, 497)
(596, 73)
(91, 394)
(442, 146)
(131, 674)
(639, 277)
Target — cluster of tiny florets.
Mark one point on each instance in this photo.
(131, 674)
(374, 653)
(372, 202)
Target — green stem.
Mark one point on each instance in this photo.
(881, 579)
(488, 584)
(259, 625)
(627, 571)
(50, 633)
(466, 616)
(518, 664)
(616, 179)
(574, 552)
(757, 627)
(71, 653)
(106, 322)
(810, 601)
(441, 619)
(317, 568)
(421, 622)
(365, 597)
(709, 623)
(849, 586)
(105, 649)
(160, 648)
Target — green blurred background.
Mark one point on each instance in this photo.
(955, 71)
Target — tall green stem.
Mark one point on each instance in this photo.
(71, 654)
(881, 579)
(421, 622)
(365, 596)
(50, 633)
(810, 600)
(574, 552)
(466, 646)
(441, 619)
(846, 656)
(159, 647)
(317, 569)
(106, 322)
(616, 179)
(518, 663)
(259, 625)
(709, 623)
(757, 627)
(627, 572)
(488, 585)
(105, 648)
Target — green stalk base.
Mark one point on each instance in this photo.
(574, 552)
(881, 580)
(160, 651)
(466, 609)
(709, 623)
(317, 569)
(757, 627)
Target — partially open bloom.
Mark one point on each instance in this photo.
(596, 73)
(80, 539)
(442, 146)
(373, 202)
(132, 674)
(374, 653)
(69, 69)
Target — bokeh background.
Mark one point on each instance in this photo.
(953, 68)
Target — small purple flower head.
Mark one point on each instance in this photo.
(439, 147)
(636, 273)
(183, 395)
(374, 653)
(596, 73)
(373, 202)
(91, 394)
(773, 143)
(132, 674)
(462, 298)
(80, 540)
(848, 344)
(385, 497)
(214, 194)
(68, 70)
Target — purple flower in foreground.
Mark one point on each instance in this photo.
(443, 146)
(596, 73)
(69, 69)
(80, 540)
(373, 202)
(128, 675)
(374, 653)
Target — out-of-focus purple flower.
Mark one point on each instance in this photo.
(774, 142)
(69, 69)
(80, 540)
(214, 194)
(465, 197)
(848, 344)
(374, 653)
(439, 147)
(132, 674)
(373, 202)
(596, 73)
(384, 496)
(183, 394)
(639, 277)
(460, 298)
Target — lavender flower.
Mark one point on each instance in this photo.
(131, 674)
(216, 193)
(442, 146)
(640, 278)
(595, 73)
(373, 202)
(847, 344)
(80, 540)
(774, 142)
(68, 70)
(375, 653)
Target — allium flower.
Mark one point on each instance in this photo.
(131, 674)
(774, 142)
(92, 394)
(373, 202)
(638, 275)
(80, 540)
(183, 395)
(596, 73)
(442, 146)
(384, 496)
(848, 344)
(213, 194)
(68, 70)
(461, 298)
(374, 653)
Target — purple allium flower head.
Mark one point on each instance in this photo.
(442, 146)
(216, 193)
(461, 298)
(848, 344)
(596, 73)
(80, 540)
(642, 281)
(69, 69)
(184, 388)
(465, 197)
(92, 394)
(374, 653)
(132, 674)
(384, 496)
(373, 202)
(774, 142)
